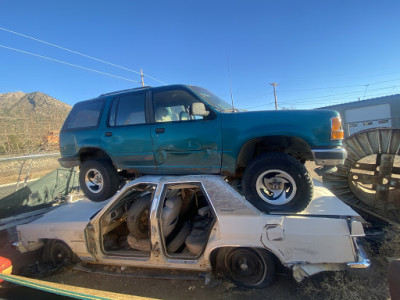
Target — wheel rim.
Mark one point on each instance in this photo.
(94, 181)
(246, 267)
(276, 187)
(60, 254)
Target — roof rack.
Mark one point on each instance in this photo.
(127, 90)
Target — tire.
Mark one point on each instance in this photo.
(277, 182)
(58, 253)
(138, 217)
(99, 179)
(179, 239)
(246, 267)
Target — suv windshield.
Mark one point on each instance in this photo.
(212, 99)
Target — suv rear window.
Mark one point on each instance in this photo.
(84, 114)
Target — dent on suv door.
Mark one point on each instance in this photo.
(184, 143)
(127, 137)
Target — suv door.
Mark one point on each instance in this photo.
(127, 136)
(184, 143)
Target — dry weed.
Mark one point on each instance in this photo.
(390, 246)
(341, 285)
(358, 284)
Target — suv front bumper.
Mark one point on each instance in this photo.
(330, 157)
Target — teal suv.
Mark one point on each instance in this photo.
(181, 129)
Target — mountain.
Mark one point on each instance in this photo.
(26, 118)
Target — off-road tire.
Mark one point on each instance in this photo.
(110, 179)
(292, 168)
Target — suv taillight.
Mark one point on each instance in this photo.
(336, 129)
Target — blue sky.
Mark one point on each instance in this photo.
(319, 52)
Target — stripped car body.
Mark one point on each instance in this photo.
(325, 236)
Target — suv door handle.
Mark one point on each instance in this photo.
(160, 130)
(108, 133)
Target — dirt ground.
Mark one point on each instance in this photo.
(360, 284)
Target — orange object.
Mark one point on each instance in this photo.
(337, 130)
(5, 266)
(52, 137)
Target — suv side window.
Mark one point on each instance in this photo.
(173, 106)
(128, 110)
(84, 114)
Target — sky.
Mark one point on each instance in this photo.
(318, 52)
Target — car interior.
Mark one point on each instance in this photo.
(185, 219)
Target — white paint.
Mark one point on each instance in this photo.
(368, 113)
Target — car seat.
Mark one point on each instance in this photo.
(170, 214)
(183, 116)
(162, 115)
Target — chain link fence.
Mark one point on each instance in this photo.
(31, 182)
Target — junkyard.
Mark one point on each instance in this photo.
(327, 228)
(174, 284)
(201, 235)
(199, 150)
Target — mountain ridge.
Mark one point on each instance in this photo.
(26, 118)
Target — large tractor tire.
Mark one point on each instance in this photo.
(370, 177)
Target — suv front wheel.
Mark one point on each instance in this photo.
(99, 179)
(276, 181)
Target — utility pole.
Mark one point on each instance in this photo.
(276, 102)
(141, 75)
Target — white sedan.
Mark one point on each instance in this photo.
(200, 223)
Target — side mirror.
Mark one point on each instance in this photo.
(199, 109)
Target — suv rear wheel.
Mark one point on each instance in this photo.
(99, 179)
(277, 182)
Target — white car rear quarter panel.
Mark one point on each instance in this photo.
(312, 240)
(291, 239)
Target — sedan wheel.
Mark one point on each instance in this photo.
(57, 252)
(247, 267)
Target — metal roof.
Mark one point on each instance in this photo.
(367, 102)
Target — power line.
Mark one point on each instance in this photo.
(339, 100)
(314, 100)
(322, 88)
(67, 63)
(79, 53)
(333, 95)
(338, 87)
